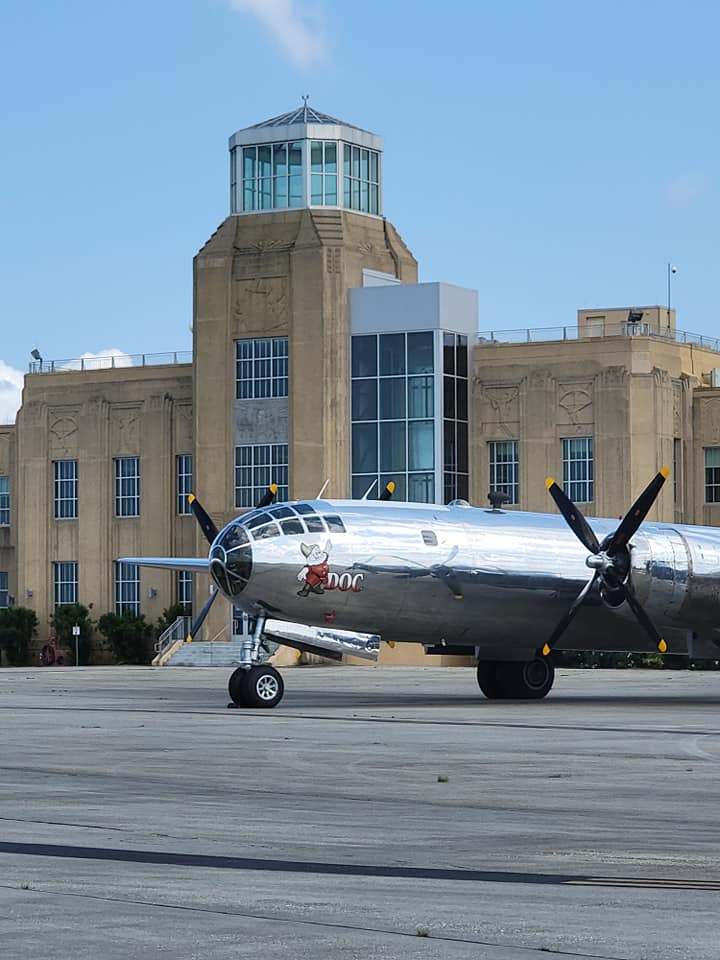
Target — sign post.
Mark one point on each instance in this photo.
(76, 634)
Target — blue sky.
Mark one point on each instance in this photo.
(551, 154)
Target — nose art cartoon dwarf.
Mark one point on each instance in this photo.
(314, 575)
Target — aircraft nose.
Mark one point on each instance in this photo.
(231, 560)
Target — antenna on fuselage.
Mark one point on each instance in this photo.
(323, 488)
(365, 495)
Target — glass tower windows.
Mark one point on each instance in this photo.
(272, 175)
(256, 467)
(323, 173)
(455, 416)
(393, 407)
(578, 468)
(361, 179)
(261, 368)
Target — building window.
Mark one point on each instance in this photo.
(256, 467)
(504, 468)
(578, 468)
(393, 411)
(66, 489)
(4, 595)
(4, 501)
(323, 173)
(261, 368)
(127, 587)
(712, 474)
(455, 417)
(184, 588)
(66, 582)
(270, 177)
(183, 463)
(127, 487)
(361, 179)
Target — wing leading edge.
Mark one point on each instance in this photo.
(190, 564)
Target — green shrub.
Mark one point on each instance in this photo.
(128, 635)
(170, 615)
(18, 625)
(66, 616)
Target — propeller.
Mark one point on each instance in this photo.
(211, 531)
(609, 560)
(388, 491)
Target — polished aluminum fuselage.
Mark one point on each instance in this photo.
(495, 580)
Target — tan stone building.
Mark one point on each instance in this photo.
(318, 358)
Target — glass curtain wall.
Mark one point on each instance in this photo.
(455, 416)
(393, 406)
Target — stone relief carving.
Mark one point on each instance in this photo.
(261, 304)
(333, 260)
(126, 428)
(576, 400)
(677, 408)
(613, 376)
(710, 420)
(63, 430)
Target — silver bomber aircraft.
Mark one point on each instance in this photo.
(506, 586)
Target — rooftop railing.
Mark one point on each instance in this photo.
(595, 330)
(111, 362)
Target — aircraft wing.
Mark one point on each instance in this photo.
(190, 564)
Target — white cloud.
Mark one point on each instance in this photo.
(297, 32)
(11, 383)
(102, 360)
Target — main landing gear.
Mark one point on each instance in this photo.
(515, 680)
(260, 687)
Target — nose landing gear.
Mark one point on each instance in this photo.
(260, 687)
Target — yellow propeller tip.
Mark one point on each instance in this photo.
(665, 472)
(391, 644)
(545, 650)
(549, 482)
(391, 486)
(458, 596)
(273, 488)
(191, 498)
(662, 646)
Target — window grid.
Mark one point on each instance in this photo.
(361, 179)
(65, 577)
(271, 176)
(4, 501)
(393, 415)
(261, 368)
(712, 474)
(256, 467)
(323, 173)
(127, 487)
(184, 588)
(504, 468)
(4, 589)
(183, 473)
(127, 587)
(578, 468)
(455, 414)
(66, 489)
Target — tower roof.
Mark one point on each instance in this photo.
(303, 114)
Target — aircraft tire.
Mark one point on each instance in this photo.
(236, 687)
(491, 678)
(529, 680)
(262, 687)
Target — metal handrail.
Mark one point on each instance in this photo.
(593, 331)
(176, 631)
(111, 362)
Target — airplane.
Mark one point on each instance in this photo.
(505, 586)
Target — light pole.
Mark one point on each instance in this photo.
(671, 269)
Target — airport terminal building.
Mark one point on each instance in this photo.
(319, 361)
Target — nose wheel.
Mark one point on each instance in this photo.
(260, 687)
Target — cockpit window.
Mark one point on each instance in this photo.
(290, 527)
(314, 524)
(335, 524)
(281, 512)
(262, 533)
(429, 538)
(234, 537)
(256, 519)
(304, 508)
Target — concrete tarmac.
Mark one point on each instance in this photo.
(386, 813)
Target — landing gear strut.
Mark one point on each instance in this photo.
(260, 687)
(515, 680)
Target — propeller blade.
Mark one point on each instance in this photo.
(637, 513)
(206, 524)
(569, 616)
(388, 491)
(643, 619)
(200, 619)
(268, 497)
(573, 517)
